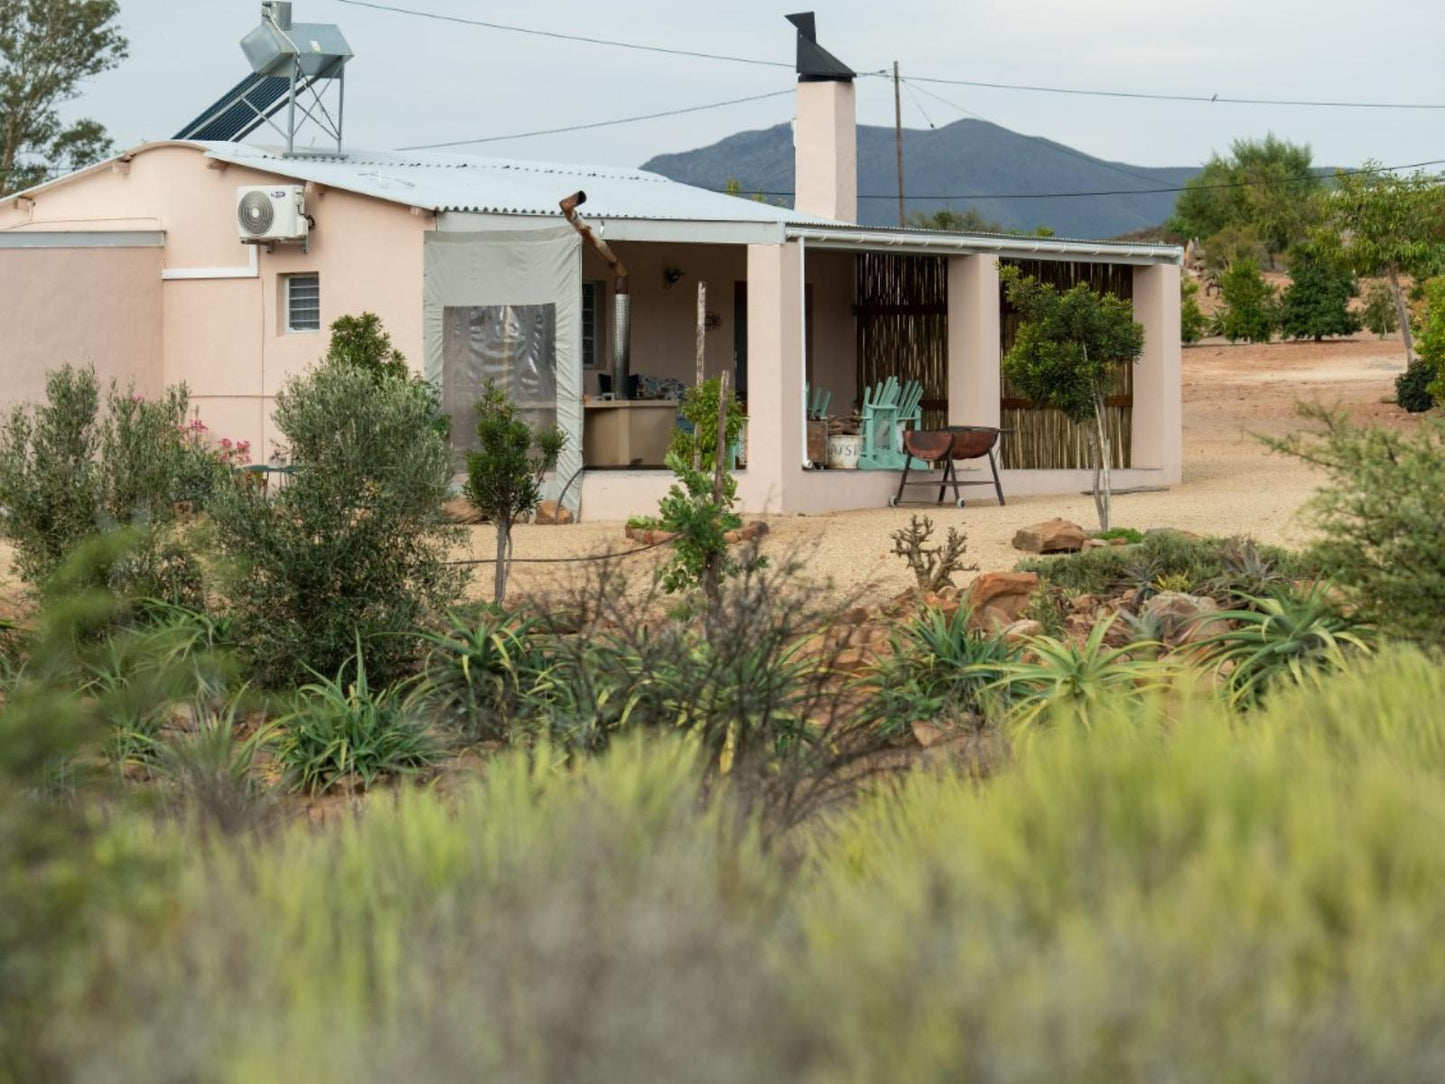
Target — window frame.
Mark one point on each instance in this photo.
(599, 360)
(287, 323)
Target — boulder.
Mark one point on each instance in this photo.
(997, 599)
(1051, 536)
(550, 512)
(1180, 616)
(461, 510)
(1022, 630)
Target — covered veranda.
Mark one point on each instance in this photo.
(841, 308)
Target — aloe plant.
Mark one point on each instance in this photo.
(1283, 638)
(1054, 673)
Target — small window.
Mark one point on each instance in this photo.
(593, 295)
(303, 302)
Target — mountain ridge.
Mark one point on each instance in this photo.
(974, 163)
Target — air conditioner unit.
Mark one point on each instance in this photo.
(269, 213)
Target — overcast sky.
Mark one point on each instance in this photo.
(419, 81)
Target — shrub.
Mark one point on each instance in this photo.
(932, 566)
(481, 672)
(69, 473)
(1413, 387)
(1212, 563)
(699, 506)
(505, 473)
(1381, 515)
(1316, 303)
(355, 543)
(342, 732)
(1284, 638)
(1193, 324)
(1057, 679)
(1430, 336)
(50, 484)
(362, 342)
(1250, 311)
(754, 680)
(937, 671)
(1380, 313)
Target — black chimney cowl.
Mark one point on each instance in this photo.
(816, 64)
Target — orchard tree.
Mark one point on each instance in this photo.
(1250, 310)
(1389, 225)
(47, 49)
(1269, 187)
(1068, 353)
(505, 473)
(1316, 303)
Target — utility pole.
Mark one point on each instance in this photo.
(898, 139)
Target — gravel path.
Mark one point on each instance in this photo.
(1232, 484)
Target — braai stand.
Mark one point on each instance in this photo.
(949, 445)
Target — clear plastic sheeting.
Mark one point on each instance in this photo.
(513, 345)
(507, 305)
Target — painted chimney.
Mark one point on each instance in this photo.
(825, 137)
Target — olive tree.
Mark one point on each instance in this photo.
(355, 544)
(1068, 354)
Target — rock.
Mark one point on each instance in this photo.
(1119, 542)
(461, 510)
(857, 616)
(1051, 536)
(945, 601)
(1096, 544)
(756, 529)
(926, 733)
(550, 512)
(997, 599)
(1022, 630)
(1180, 616)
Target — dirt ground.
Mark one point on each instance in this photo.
(1232, 484)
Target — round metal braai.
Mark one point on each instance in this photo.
(256, 213)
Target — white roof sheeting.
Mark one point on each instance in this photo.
(503, 186)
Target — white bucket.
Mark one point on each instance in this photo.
(844, 450)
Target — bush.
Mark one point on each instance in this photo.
(699, 506)
(1381, 516)
(1380, 313)
(69, 473)
(355, 543)
(1218, 565)
(938, 672)
(50, 484)
(1412, 387)
(1250, 311)
(1193, 325)
(1275, 885)
(1316, 303)
(481, 673)
(341, 732)
(1430, 337)
(1286, 638)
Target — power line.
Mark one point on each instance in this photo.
(560, 36)
(1126, 191)
(593, 124)
(1208, 99)
(937, 80)
(1040, 140)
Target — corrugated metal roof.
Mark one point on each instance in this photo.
(504, 186)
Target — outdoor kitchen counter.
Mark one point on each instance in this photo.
(627, 433)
